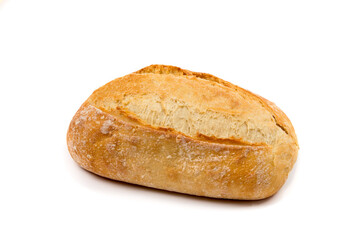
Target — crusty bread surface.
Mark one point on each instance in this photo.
(173, 129)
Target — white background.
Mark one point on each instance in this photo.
(303, 55)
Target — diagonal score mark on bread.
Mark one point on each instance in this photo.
(199, 104)
(280, 118)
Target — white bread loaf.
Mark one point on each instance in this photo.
(177, 130)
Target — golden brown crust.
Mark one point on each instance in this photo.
(108, 139)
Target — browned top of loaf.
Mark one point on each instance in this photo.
(194, 104)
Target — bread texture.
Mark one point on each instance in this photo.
(173, 129)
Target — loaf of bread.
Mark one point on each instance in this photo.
(169, 128)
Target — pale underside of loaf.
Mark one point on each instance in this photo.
(183, 131)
